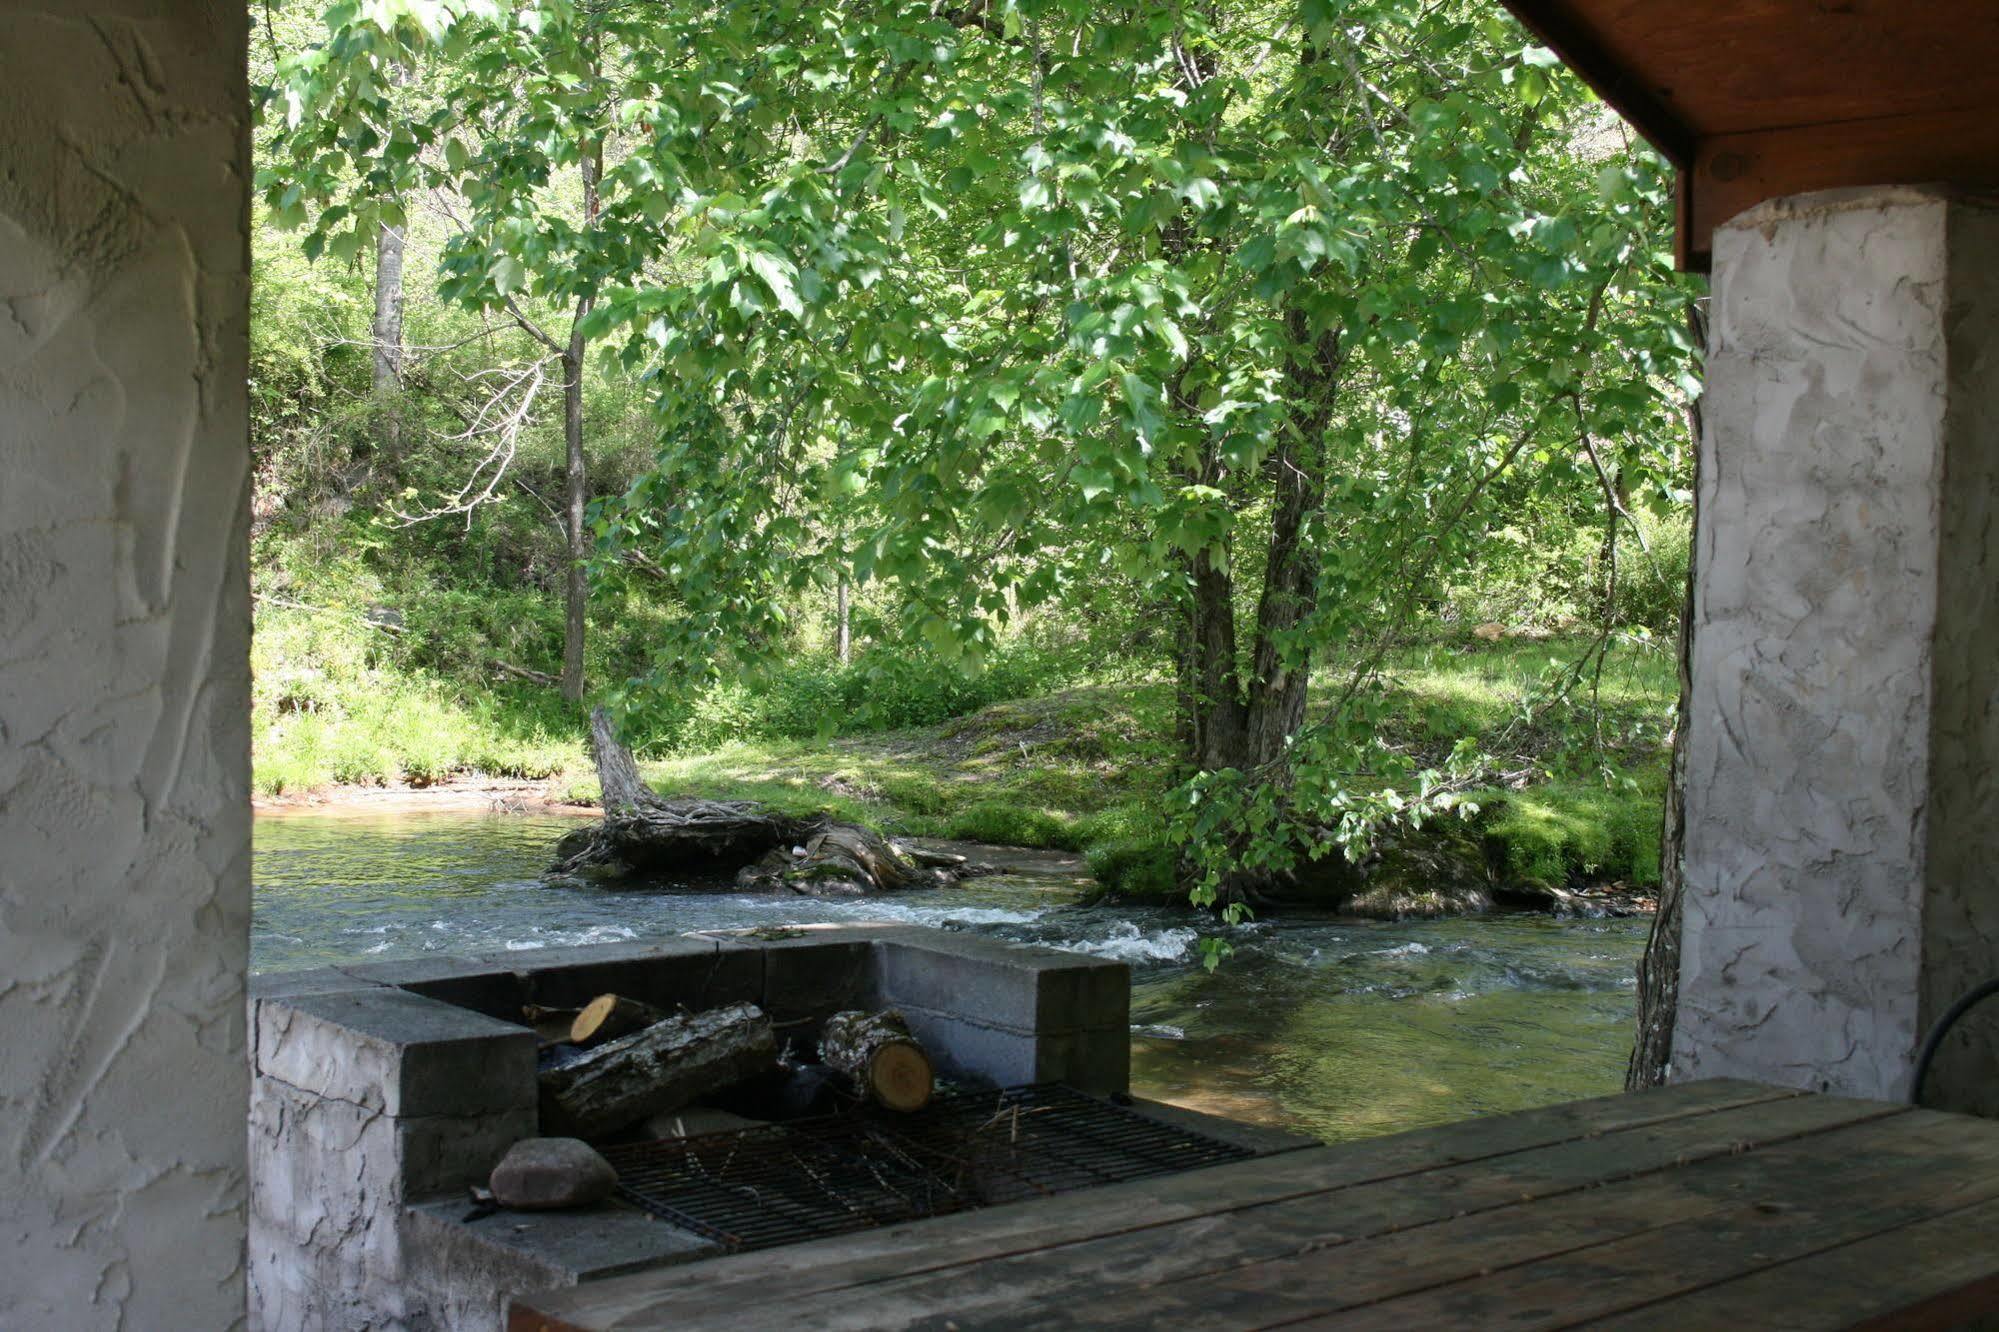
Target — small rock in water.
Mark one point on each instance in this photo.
(538, 1174)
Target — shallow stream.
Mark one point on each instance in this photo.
(1340, 1028)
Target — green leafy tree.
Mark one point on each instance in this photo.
(1261, 308)
(511, 146)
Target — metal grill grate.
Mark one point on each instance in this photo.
(781, 1183)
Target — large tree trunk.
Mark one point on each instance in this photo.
(1281, 667)
(1659, 967)
(1221, 725)
(1214, 680)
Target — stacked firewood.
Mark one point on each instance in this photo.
(618, 1063)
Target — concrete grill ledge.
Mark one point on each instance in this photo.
(381, 1092)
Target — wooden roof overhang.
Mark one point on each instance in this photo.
(1756, 99)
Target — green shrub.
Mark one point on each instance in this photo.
(1138, 868)
(1568, 831)
(1652, 584)
(1129, 853)
(1003, 823)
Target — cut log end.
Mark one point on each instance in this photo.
(609, 1016)
(900, 1076)
(885, 1062)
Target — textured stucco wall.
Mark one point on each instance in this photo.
(1961, 907)
(124, 619)
(1842, 638)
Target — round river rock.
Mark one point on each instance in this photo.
(538, 1174)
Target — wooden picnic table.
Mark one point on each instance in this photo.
(1710, 1204)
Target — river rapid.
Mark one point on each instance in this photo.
(1338, 1028)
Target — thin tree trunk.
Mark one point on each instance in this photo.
(386, 333)
(844, 612)
(1659, 966)
(576, 598)
(576, 595)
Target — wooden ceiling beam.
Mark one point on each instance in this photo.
(1558, 27)
(1735, 172)
(1756, 99)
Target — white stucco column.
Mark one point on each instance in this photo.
(124, 629)
(1842, 845)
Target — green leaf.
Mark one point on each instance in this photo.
(508, 275)
(776, 274)
(1142, 402)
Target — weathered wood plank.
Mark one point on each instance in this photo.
(831, 1264)
(1370, 1187)
(1837, 1203)
(993, 1291)
(1320, 1279)
(1943, 1272)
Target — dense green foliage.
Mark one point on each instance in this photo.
(1241, 347)
(1087, 769)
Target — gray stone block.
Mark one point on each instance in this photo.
(320, 1169)
(668, 973)
(1097, 1061)
(317, 980)
(1009, 985)
(807, 980)
(471, 983)
(380, 1098)
(962, 1049)
(447, 1154)
(569, 1246)
(398, 1053)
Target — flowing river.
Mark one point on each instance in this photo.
(1336, 1027)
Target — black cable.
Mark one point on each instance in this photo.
(1941, 1030)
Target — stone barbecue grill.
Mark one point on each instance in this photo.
(776, 1184)
(381, 1093)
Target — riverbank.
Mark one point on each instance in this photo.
(461, 793)
(1085, 769)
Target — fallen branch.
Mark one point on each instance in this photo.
(525, 673)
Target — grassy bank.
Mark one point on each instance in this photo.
(348, 694)
(1084, 769)
(382, 662)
